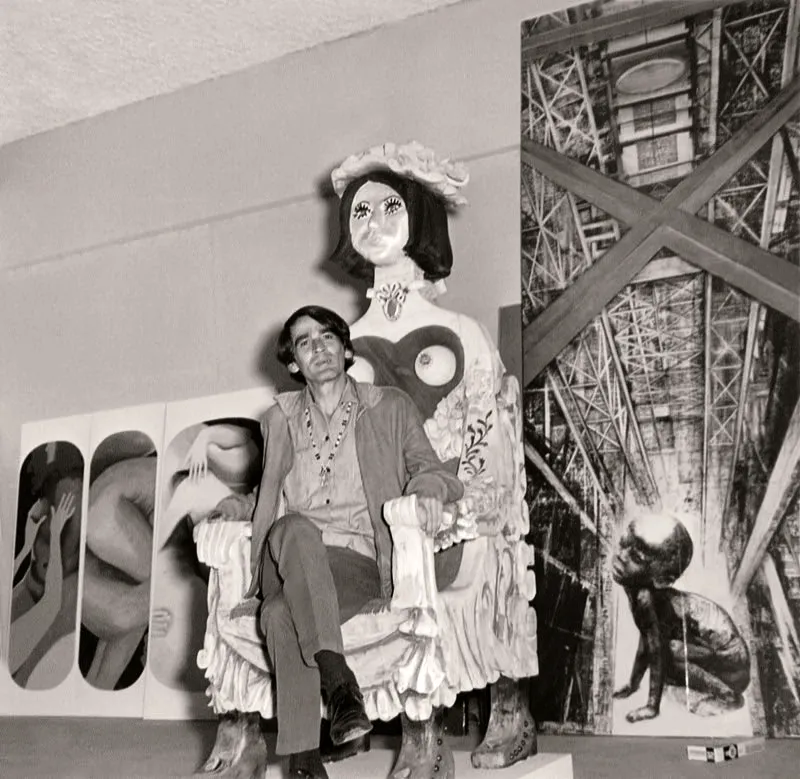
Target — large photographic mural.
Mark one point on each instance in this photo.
(660, 215)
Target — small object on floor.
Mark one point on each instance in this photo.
(721, 752)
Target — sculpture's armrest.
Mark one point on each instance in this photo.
(220, 542)
(224, 545)
(413, 572)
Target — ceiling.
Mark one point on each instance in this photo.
(65, 60)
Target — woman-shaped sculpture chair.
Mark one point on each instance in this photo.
(460, 616)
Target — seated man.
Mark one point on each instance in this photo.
(335, 452)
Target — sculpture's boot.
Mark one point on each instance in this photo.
(239, 744)
(511, 732)
(424, 754)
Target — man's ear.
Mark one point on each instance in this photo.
(348, 354)
(293, 367)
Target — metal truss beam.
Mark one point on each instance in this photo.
(781, 150)
(561, 110)
(761, 274)
(652, 495)
(781, 487)
(663, 268)
(604, 488)
(563, 319)
(565, 495)
(616, 25)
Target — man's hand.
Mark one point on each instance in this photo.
(430, 513)
(233, 508)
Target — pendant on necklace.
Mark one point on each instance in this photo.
(392, 296)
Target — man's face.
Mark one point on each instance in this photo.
(318, 353)
(379, 224)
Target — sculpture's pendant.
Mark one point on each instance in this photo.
(392, 309)
(392, 297)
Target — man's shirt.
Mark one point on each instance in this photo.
(336, 504)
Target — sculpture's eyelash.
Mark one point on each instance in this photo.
(392, 204)
(361, 210)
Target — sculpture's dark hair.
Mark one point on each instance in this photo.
(326, 318)
(428, 237)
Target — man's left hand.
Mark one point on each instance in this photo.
(430, 513)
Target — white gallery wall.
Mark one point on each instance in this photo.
(148, 254)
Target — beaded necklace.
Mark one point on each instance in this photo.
(325, 467)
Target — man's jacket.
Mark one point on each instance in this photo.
(394, 456)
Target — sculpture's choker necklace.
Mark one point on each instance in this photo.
(392, 295)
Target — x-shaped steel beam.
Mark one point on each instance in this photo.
(670, 223)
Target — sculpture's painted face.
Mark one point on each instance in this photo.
(379, 224)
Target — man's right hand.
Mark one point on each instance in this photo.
(430, 513)
(233, 508)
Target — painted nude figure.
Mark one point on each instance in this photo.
(685, 640)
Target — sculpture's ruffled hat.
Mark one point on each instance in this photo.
(412, 160)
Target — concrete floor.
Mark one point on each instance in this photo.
(35, 748)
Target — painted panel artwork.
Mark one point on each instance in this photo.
(204, 463)
(116, 579)
(46, 566)
(213, 448)
(660, 216)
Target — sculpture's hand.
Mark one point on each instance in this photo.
(430, 513)
(196, 460)
(645, 712)
(626, 691)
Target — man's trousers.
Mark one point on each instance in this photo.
(309, 591)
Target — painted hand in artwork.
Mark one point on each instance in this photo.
(160, 622)
(60, 514)
(196, 460)
(37, 513)
(58, 518)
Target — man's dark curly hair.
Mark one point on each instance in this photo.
(325, 317)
